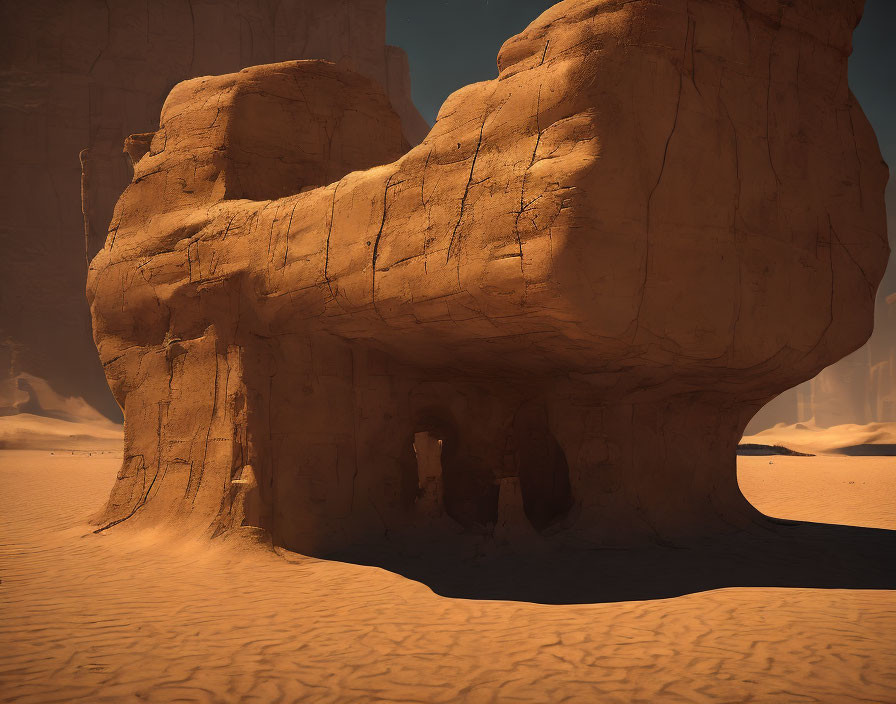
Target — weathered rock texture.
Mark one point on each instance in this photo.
(860, 389)
(571, 296)
(82, 75)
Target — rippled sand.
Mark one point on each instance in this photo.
(128, 616)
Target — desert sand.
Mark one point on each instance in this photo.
(26, 431)
(144, 615)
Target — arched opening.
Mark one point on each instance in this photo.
(542, 468)
(469, 488)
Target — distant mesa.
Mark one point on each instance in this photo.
(77, 79)
(34, 417)
(870, 440)
(859, 389)
(752, 449)
(869, 450)
(26, 393)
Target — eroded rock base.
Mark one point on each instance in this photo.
(328, 444)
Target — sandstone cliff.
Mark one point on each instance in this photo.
(573, 294)
(82, 75)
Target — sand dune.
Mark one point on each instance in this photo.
(26, 431)
(146, 616)
(27, 394)
(808, 437)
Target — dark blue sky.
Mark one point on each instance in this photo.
(872, 72)
(452, 43)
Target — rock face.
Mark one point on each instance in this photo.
(571, 296)
(860, 389)
(82, 75)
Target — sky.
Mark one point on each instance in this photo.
(452, 43)
(448, 50)
(872, 73)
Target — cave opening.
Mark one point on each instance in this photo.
(541, 467)
(469, 486)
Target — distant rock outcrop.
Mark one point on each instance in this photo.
(857, 390)
(575, 292)
(82, 75)
(875, 439)
(753, 449)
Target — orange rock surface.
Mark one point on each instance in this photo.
(573, 294)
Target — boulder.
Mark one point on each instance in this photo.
(588, 277)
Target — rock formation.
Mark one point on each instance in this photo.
(883, 373)
(82, 75)
(573, 294)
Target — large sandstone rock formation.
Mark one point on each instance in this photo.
(569, 299)
(82, 75)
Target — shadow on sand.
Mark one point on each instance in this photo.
(786, 554)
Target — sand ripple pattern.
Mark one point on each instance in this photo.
(129, 616)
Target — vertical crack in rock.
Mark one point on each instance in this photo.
(327, 246)
(227, 228)
(463, 200)
(208, 431)
(189, 481)
(423, 179)
(688, 37)
(691, 37)
(379, 234)
(108, 39)
(646, 277)
(525, 206)
(145, 497)
(140, 503)
(287, 235)
(84, 157)
(872, 287)
(424, 205)
(271, 233)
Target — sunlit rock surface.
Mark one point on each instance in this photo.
(573, 294)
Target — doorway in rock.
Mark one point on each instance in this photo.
(469, 485)
(541, 466)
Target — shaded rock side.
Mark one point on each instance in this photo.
(82, 75)
(860, 389)
(588, 277)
